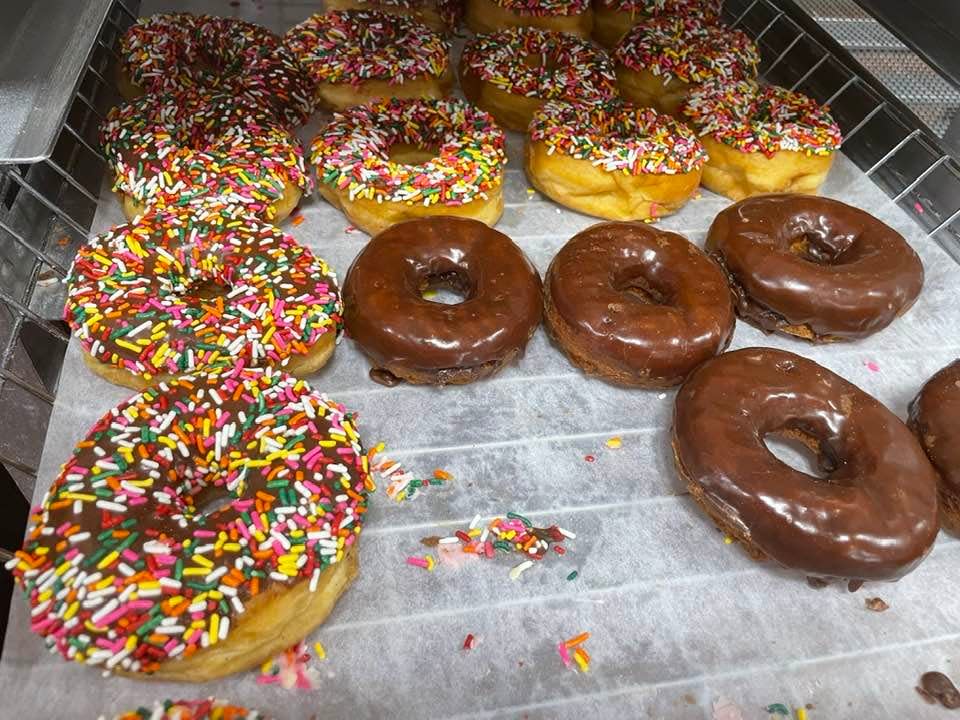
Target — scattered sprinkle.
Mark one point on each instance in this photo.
(589, 458)
(778, 709)
(871, 366)
(320, 650)
(801, 714)
(573, 647)
(728, 539)
(614, 443)
(209, 709)
(401, 484)
(573, 575)
(297, 219)
(290, 670)
(470, 642)
(518, 570)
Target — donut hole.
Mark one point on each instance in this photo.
(640, 289)
(800, 451)
(816, 249)
(446, 288)
(207, 289)
(412, 153)
(211, 500)
(541, 61)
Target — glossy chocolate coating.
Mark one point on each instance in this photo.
(644, 305)
(800, 260)
(935, 418)
(873, 516)
(404, 333)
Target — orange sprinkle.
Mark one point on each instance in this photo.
(574, 641)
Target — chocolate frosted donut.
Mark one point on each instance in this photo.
(873, 516)
(408, 337)
(813, 267)
(636, 305)
(935, 418)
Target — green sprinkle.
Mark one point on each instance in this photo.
(573, 575)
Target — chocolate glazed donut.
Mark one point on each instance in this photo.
(814, 267)
(873, 516)
(636, 305)
(409, 338)
(935, 418)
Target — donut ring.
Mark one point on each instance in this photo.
(814, 268)
(511, 73)
(180, 290)
(612, 19)
(570, 16)
(209, 709)
(173, 52)
(935, 419)
(635, 305)
(217, 590)
(873, 517)
(463, 177)
(410, 338)
(355, 56)
(612, 159)
(440, 15)
(761, 138)
(191, 147)
(659, 62)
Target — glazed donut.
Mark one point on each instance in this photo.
(172, 52)
(440, 15)
(635, 305)
(659, 62)
(201, 527)
(184, 289)
(935, 419)
(569, 16)
(355, 56)
(209, 709)
(612, 19)
(814, 268)
(612, 159)
(410, 338)
(872, 517)
(511, 73)
(761, 138)
(368, 165)
(183, 148)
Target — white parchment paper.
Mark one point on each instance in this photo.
(677, 618)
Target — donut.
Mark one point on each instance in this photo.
(612, 19)
(569, 16)
(210, 709)
(761, 138)
(635, 305)
(873, 516)
(200, 528)
(659, 62)
(511, 73)
(171, 52)
(354, 56)
(439, 15)
(407, 337)
(183, 289)
(385, 162)
(814, 268)
(935, 419)
(176, 149)
(612, 159)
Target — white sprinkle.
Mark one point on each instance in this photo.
(449, 540)
(567, 533)
(475, 522)
(518, 570)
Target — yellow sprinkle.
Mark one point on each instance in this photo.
(430, 563)
(214, 628)
(614, 442)
(318, 649)
(727, 540)
(190, 572)
(201, 560)
(801, 714)
(108, 560)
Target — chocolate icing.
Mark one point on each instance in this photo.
(800, 260)
(935, 418)
(401, 331)
(647, 304)
(873, 516)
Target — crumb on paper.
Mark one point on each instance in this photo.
(726, 709)
(876, 604)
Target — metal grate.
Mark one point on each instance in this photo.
(46, 208)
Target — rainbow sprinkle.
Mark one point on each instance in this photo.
(688, 49)
(762, 118)
(542, 8)
(402, 485)
(567, 67)
(572, 651)
(209, 709)
(350, 46)
(709, 9)
(182, 148)
(352, 152)
(618, 137)
(122, 564)
(449, 11)
(290, 670)
(173, 52)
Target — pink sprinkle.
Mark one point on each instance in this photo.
(564, 653)
(918, 207)
(871, 366)
(417, 561)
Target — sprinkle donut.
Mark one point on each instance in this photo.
(762, 138)
(210, 709)
(613, 159)
(570, 16)
(660, 61)
(459, 171)
(183, 289)
(612, 19)
(177, 149)
(171, 52)
(354, 56)
(511, 73)
(201, 527)
(439, 15)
